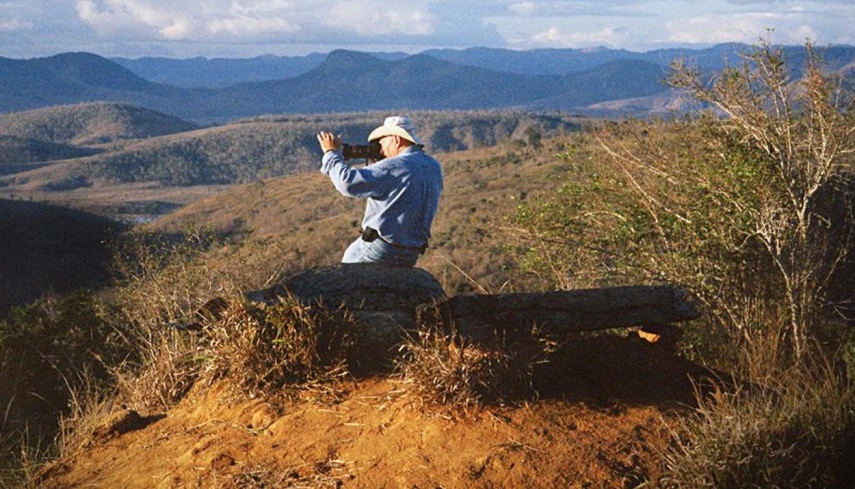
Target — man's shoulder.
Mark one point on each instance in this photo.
(407, 157)
(420, 155)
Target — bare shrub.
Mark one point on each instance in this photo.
(799, 134)
(163, 278)
(750, 211)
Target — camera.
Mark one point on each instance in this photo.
(370, 151)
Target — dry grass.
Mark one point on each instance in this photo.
(328, 474)
(261, 351)
(19, 461)
(446, 369)
(793, 429)
(90, 403)
(168, 281)
(252, 350)
(164, 368)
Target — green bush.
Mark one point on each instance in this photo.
(46, 350)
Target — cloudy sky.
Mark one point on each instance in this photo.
(245, 28)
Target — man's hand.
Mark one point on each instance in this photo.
(329, 141)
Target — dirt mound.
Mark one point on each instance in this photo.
(600, 420)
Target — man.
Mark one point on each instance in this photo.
(402, 192)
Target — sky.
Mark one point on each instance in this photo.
(248, 28)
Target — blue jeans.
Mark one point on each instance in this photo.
(379, 251)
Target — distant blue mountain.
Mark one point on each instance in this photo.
(222, 72)
(219, 72)
(72, 78)
(219, 89)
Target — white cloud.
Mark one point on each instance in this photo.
(525, 8)
(787, 28)
(134, 18)
(555, 38)
(594, 8)
(252, 26)
(370, 17)
(254, 20)
(178, 30)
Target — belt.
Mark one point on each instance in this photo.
(370, 234)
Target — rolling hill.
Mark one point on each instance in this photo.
(17, 153)
(89, 124)
(46, 247)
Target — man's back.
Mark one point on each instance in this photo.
(402, 193)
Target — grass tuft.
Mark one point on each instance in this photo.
(447, 369)
(259, 350)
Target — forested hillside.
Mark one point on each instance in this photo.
(18, 152)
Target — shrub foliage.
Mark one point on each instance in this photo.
(751, 210)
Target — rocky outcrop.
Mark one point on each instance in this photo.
(392, 300)
(562, 311)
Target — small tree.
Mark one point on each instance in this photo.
(799, 132)
(747, 204)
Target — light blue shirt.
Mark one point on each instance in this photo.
(402, 193)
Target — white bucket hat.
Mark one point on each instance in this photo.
(396, 126)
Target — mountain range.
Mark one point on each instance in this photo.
(202, 72)
(221, 90)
